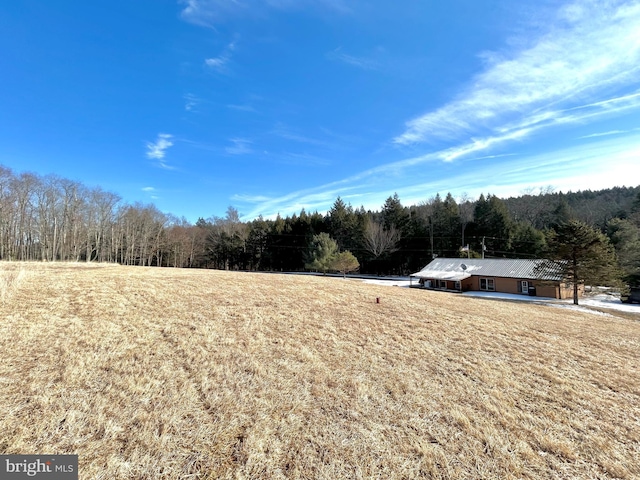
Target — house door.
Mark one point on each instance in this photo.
(524, 286)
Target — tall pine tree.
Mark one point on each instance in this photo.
(493, 221)
(583, 255)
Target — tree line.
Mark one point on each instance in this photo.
(55, 219)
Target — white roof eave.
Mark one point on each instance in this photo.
(439, 275)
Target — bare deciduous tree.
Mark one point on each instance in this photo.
(378, 240)
(6, 210)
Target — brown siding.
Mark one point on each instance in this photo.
(566, 290)
(510, 285)
(547, 291)
(468, 284)
(506, 285)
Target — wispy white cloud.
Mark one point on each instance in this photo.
(157, 150)
(241, 146)
(250, 198)
(209, 13)
(305, 159)
(282, 131)
(334, 6)
(604, 134)
(220, 62)
(590, 51)
(310, 199)
(602, 163)
(584, 66)
(364, 63)
(479, 145)
(190, 102)
(217, 63)
(502, 155)
(152, 192)
(242, 108)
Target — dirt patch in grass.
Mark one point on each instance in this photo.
(169, 373)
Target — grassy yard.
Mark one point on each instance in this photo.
(165, 373)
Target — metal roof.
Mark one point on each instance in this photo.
(490, 267)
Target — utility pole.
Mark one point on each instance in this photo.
(483, 248)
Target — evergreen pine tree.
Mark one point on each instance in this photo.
(494, 222)
(583, 255)
(527, 241)
(625, 236)
(345, 262)
(322, 252)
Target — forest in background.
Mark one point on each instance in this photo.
(50, 218)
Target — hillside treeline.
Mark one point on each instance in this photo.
(55, 219)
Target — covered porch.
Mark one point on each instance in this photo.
(439, 280)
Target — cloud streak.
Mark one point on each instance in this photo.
(217, 63)
(598, 164)
(209, 13)
(220, 62)
(359, 62)
(242, 108)
(190, 102)
(593, 50)
(583, 67)
(282, 131)
(604, 134)
(241, 146)
(158, 149)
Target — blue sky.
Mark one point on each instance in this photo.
(277, 105)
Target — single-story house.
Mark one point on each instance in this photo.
(527, 277)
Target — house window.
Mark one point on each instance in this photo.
(457, 286)
(487, 284)
(442, 284)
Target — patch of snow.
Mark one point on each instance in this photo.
(580, 308)
(396, 282)
(509, 296)
(604, 300)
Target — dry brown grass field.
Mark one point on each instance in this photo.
(152, 373)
